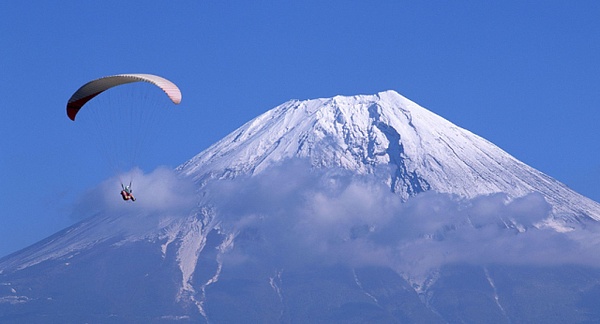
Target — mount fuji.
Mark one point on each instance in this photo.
(347, 209)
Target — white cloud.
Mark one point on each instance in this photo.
(304, 216)
(293, 215)
(159, 194)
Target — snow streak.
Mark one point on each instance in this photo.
(496, 297)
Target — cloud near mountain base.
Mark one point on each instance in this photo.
(293, 215)
(160, 193)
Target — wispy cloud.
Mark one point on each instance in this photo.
(160, 193)
(330, 216)
(292, 215)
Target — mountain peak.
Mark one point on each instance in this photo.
(328, 131)
(408, 147)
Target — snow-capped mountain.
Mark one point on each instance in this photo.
(410, 148)
(347, 209)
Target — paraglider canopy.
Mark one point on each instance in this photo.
(93, 88)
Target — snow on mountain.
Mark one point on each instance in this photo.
(229, 237)
(410, 148)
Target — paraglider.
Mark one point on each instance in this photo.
(94, 88)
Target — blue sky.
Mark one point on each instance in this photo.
(523, 75)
